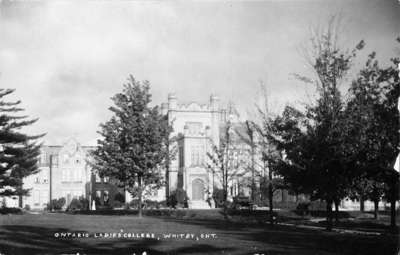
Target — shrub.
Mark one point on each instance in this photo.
(218, 196)
(180, 214)
(151, 204)
(181, 196)
(79, 204)
(162, 204)
(85, 202)
(118, 204)
(178, 197)
(97, 201)
(10, 210)
(135, 203)
(172, 202)
(75, 205)
(302, 208)
(119, 198)
(56, 204)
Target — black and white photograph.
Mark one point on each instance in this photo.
(260, 127)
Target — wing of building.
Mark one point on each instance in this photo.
(65, 172)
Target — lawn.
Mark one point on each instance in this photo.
(41, 234)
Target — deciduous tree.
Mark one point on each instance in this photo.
(133, 146)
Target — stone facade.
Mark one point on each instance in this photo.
(63, 172)
(196, 127)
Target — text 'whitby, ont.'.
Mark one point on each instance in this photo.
(133, 235)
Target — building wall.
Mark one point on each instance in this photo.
(70, 175)
(197, 127)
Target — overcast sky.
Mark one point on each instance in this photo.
(66, 59)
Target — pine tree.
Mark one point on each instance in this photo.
(133, 147)
(18, 151)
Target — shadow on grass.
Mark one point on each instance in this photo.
(293, 240)
(24, 239)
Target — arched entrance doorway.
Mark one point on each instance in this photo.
(197, 189)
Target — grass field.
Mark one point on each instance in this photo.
(41, 234)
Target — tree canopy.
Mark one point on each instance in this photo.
(133, 145)
(18, 151)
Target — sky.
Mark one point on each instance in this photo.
(66, 59)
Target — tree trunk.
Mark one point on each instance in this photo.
(376, 208)
(393, 197)
(20, 201)
(19, 191)
(361, 203)
(167, 172)
(253, 183)
(393, 213)
(329, 215)
(140, 195)
(270, 198)
(126, 199)
(337, 211)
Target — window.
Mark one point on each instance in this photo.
(78, 160)
(65, 159)
(69, 174)
(36, 197)
(43, 158)
(55, 160)
(76, 194)
(106, 197)
(77, 175)
(106, 179)
(43, 175)
(36, 179)
(64, 174)
(97, 177)
(44, 197)
(197, 155)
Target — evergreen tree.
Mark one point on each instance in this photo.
(18, 151)
(133, 148)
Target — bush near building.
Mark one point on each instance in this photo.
(178, 198)
(79, 204)
(56, 204)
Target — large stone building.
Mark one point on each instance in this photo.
(197, 128)
(64, 170)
